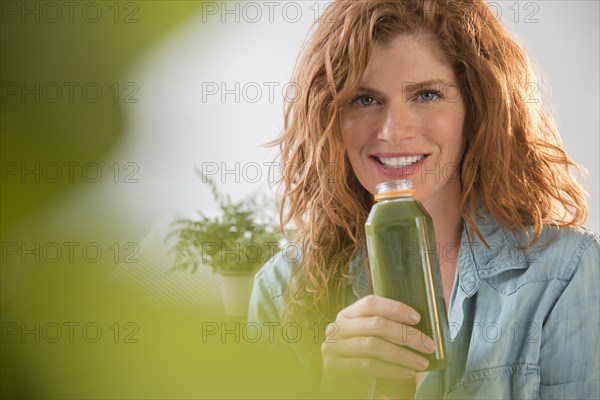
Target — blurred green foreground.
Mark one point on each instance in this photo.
(67, 332)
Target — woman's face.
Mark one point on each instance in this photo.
(406, 120)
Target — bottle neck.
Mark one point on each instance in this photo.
(395, 194)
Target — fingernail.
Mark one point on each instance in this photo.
(429, 345)
(423, 363)
(414, 316)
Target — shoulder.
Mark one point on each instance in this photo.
(557, 253)
(561, 251)
(563, 257)
(508, 263)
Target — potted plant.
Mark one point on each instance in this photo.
(234, 244)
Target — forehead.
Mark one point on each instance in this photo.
(408, 58)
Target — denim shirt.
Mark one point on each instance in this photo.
(522, 323)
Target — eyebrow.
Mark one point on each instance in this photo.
(410, 87)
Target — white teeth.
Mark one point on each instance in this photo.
(399, 162)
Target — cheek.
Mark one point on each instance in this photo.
(449, 128)
(348, 124)
(351, 135)
(458, 133)
(357, 134)
(353, 141)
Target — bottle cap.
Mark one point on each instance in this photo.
(397, 188)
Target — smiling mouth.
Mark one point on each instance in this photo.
(399, 162)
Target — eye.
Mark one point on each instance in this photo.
(363, 100)
(428, 96)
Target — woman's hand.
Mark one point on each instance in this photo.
(373, 338)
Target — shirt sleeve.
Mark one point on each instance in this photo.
(262, 306)
(267, 298)
(287, 364)
(570, 348)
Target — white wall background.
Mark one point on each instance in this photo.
(173, 130)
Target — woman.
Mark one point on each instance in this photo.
(435, 92)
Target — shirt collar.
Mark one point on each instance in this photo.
(476, 260)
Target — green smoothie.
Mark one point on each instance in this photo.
(404, 262)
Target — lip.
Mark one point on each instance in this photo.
(398, 173)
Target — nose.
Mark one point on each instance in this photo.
(399, 124)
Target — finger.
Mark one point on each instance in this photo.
(377, 305)
(375, 348)
(375, 326)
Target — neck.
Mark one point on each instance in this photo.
(447, 223)
(448, 226)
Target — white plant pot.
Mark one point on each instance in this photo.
(236, 290)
